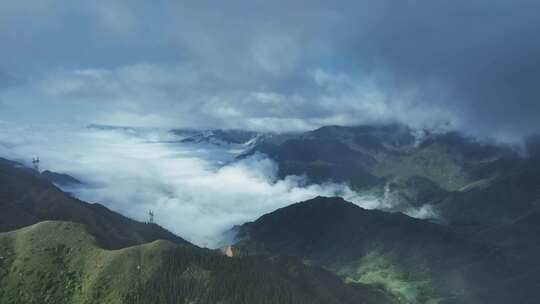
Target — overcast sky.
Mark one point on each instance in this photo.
(272, 65)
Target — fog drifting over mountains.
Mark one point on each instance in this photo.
(198, 190)
(260, 65)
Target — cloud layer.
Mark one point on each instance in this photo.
(196, 191)
(291, 65)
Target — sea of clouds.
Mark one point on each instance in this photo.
(198, 191)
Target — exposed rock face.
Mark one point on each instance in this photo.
(227, 251)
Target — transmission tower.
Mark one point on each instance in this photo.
(150, 216)
(35, 163)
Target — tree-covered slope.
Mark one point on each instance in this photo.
(499, 201)
(463, 181)
(61, 179)
(382, 153)
(27, 198)
(60, 262)
(417, 261)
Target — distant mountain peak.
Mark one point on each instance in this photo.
(216, 136)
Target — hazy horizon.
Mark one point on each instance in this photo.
(293, 66)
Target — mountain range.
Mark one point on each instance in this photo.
(468, 183)
(57, 249)
(414, 260)
(477, 244)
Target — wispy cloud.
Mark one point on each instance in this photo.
(271, 65)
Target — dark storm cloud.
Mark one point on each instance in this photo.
(485, 54)
(276, 65)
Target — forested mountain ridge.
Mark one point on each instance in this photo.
(465, 181)
(481, 245)
(57, 249)
(417, 261)
(27, 198)
(60, 262)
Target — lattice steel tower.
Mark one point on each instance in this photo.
(35, 163)
(150, 216)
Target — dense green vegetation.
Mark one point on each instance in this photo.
(470, 184)
(485, 252)
(88, 259)
(27, 198)
(60, 262)
(408, 286)
(501, 200)
(415, 260)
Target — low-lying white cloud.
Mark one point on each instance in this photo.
(198, 191)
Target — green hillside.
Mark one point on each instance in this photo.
(415, 260)
(60, 262)
(27, 198)
(464, 181)
(368, 155)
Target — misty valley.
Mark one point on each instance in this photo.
(269, 152)
(367, 214)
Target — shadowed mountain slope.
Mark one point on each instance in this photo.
(386, 152)
(500, 200)
(416, 260)
(464, 181)
(99, 256)
(61, 179)
(27, 198)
